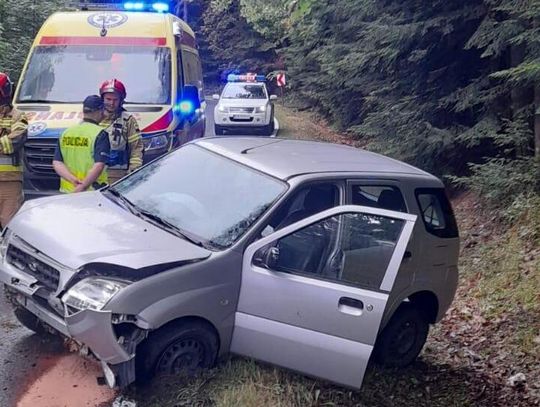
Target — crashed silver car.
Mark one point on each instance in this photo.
(311, 256)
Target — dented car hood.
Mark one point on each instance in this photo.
(83, 228)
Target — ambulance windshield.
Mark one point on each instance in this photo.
(69, 73)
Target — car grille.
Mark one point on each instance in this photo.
(241, 109)
(39, 154)
(45, 274)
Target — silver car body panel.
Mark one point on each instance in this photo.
(285, 158)
(314, 326)
(95, 327)
(84, 228)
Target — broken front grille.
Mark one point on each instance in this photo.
(45, 274)
(39, 154)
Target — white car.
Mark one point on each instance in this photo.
(244, 106)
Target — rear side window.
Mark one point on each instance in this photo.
(378, 196)
(437, 213)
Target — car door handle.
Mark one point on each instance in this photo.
(350, 306)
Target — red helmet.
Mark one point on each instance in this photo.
(5, 86)
(113, 85)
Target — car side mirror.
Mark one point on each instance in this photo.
(267, 257)
(273, 97)
(215, 97)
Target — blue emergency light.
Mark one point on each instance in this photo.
(186, 107)
(131, 5)
(249, 77)
(160, 7)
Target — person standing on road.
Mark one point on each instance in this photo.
(13, 133)
(83, 151)
(123, 129)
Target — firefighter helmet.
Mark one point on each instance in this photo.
(5, 85)
(113, 85)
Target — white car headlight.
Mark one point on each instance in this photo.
(156, 142)
(260, 109)
(221, 108)
(92, 293)
(4, 242)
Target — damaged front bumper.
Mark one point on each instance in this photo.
(110, 338)
(92, 330)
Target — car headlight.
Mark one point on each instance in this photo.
(221, 108)
(92, 293)
(4, 242)
(156, 142)
(260, 109)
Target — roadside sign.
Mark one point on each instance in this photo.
(280, 79)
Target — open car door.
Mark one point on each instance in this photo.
(313, 294)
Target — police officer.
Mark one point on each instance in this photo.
(124, 136)
(83, 151)
(13, 132)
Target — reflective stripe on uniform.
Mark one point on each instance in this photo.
(134, 137)
(10, 168)
(7, 145)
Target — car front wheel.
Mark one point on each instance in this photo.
(401, 341)
(218, 130)
(178, 349)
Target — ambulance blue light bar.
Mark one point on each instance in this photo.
(160, 7)
(249, 77)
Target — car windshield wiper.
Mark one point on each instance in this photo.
(169, 226)
(130, 206)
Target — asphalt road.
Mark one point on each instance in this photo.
(20, 353)
(29, 362)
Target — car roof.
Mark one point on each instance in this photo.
(285, 158)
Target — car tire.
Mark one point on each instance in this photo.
(30, 321)
(176, 349)
(218, 130)
(403, 338)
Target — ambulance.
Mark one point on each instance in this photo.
(151, 51)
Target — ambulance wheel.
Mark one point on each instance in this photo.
(30, 321)
(403, 338)
(179, 348)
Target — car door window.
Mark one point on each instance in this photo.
(307, 201)
(378, 196)
(351, 248)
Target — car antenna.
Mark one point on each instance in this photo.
(264, 145)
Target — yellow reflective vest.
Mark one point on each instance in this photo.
(77, 148)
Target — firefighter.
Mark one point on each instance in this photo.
(83, 151)
(13, 132)
(124, 135)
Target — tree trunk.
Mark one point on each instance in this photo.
(537, 123)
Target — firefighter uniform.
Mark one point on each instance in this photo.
(126, 145)
(13, 132)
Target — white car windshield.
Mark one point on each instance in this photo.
(244, 91)
(202, 194)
